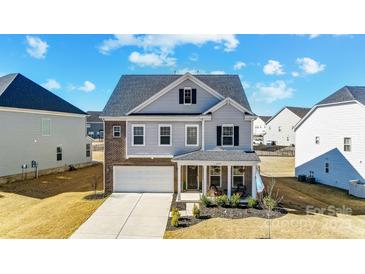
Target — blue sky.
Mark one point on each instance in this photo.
(276, 70)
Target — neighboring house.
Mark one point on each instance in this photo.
(330, 139)
(177, 133)
(280, 127)
(94, 125)
(259, 125)
(37, 125)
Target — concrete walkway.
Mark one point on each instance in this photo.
(128, 216)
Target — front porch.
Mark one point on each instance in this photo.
(226, 172)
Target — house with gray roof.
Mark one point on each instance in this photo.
(330, 143)
(94, 125)
(40, 131)
(179, 133)
(259, 129)
(280, 127)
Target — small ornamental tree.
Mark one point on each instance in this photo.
(270, 201)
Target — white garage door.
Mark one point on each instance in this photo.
(143, 178)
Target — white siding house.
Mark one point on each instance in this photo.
(38, 126)
(259, 125)
(330, 141)
(280, 128)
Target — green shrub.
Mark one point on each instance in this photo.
(196, 211)
(222, 200)
(251, 202)
(205, 200)
(175, 215)
(235, 200)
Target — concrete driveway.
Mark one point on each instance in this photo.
(128, 216)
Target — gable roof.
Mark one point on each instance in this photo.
(231, 102)
(346, 93)
(265, 118)
(17, 91)
(133, 90)
(299, 111)
(94, 116)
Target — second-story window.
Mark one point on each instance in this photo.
(164, 135)
(347, 144)
(187, 96)
(227, 135)
(279, 128)
(46, 127)
(191, 135)
(138, 132)
(317, 140)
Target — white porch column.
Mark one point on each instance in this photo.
(229, 181)
(254, 182)
(178, 182)
(204, 178)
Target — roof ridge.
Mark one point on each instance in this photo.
(15, 75)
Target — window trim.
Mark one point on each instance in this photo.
(120, 132)
(327, 167)
(220, 176)
(186, 135)
(88, 150)
(243, 176)
(50, 127)
(144, 135)
(227, 125)
(317, 140)
(191, 95)
(159, 135)
(349, 145)
(57, 153)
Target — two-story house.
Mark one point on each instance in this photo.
(179, 133)
(280, 127)
(330, 142)
(259, 124)
(40, 132)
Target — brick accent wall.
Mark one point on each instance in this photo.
(115, 152)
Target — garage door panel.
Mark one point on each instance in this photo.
(143, 178)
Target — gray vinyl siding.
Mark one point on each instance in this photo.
(21, 141)
(95, 128)
(169, 102)
(228, 115)
(152, 147)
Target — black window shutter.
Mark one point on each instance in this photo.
(193, 91)
(181, 96)
(236, 136)
(219, 135)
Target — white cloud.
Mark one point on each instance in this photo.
(239, 65)
(37, 48)
(194, 57)
(167, 43)
(310, 66)
(295, 74)
(151, 59)
(273, 67)
(51, 84)
(277, 90)
(245, 84)
(87, 87)
(312, 36)
(190, 70)
(217, 72)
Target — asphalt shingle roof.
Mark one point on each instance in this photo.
(346, 93)
(17, 91)
(265, 118)
(132, 90)
(94, 116)
(301, 112)
(218, 155)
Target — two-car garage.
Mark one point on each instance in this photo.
(143, 178)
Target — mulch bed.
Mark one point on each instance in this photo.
(223, 212)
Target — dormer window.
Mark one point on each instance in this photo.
(187, 96)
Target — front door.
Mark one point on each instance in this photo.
(192, 174)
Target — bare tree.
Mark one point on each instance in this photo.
(270, 201)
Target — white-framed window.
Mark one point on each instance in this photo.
(164, 135)
(238, 174)
(279, 128)
(138, 135)
(227, 135)
(326, 167)
(287, 138)
(347, 144)
(59, 153)
(88, 150)
(215, 176)
(46, 127)
(117, 131)
(91, 133)
(316, 140)
(191, 135)
(187, 96)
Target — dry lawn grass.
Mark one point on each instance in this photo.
(294, 225)
(52, 206)
(98, 156)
